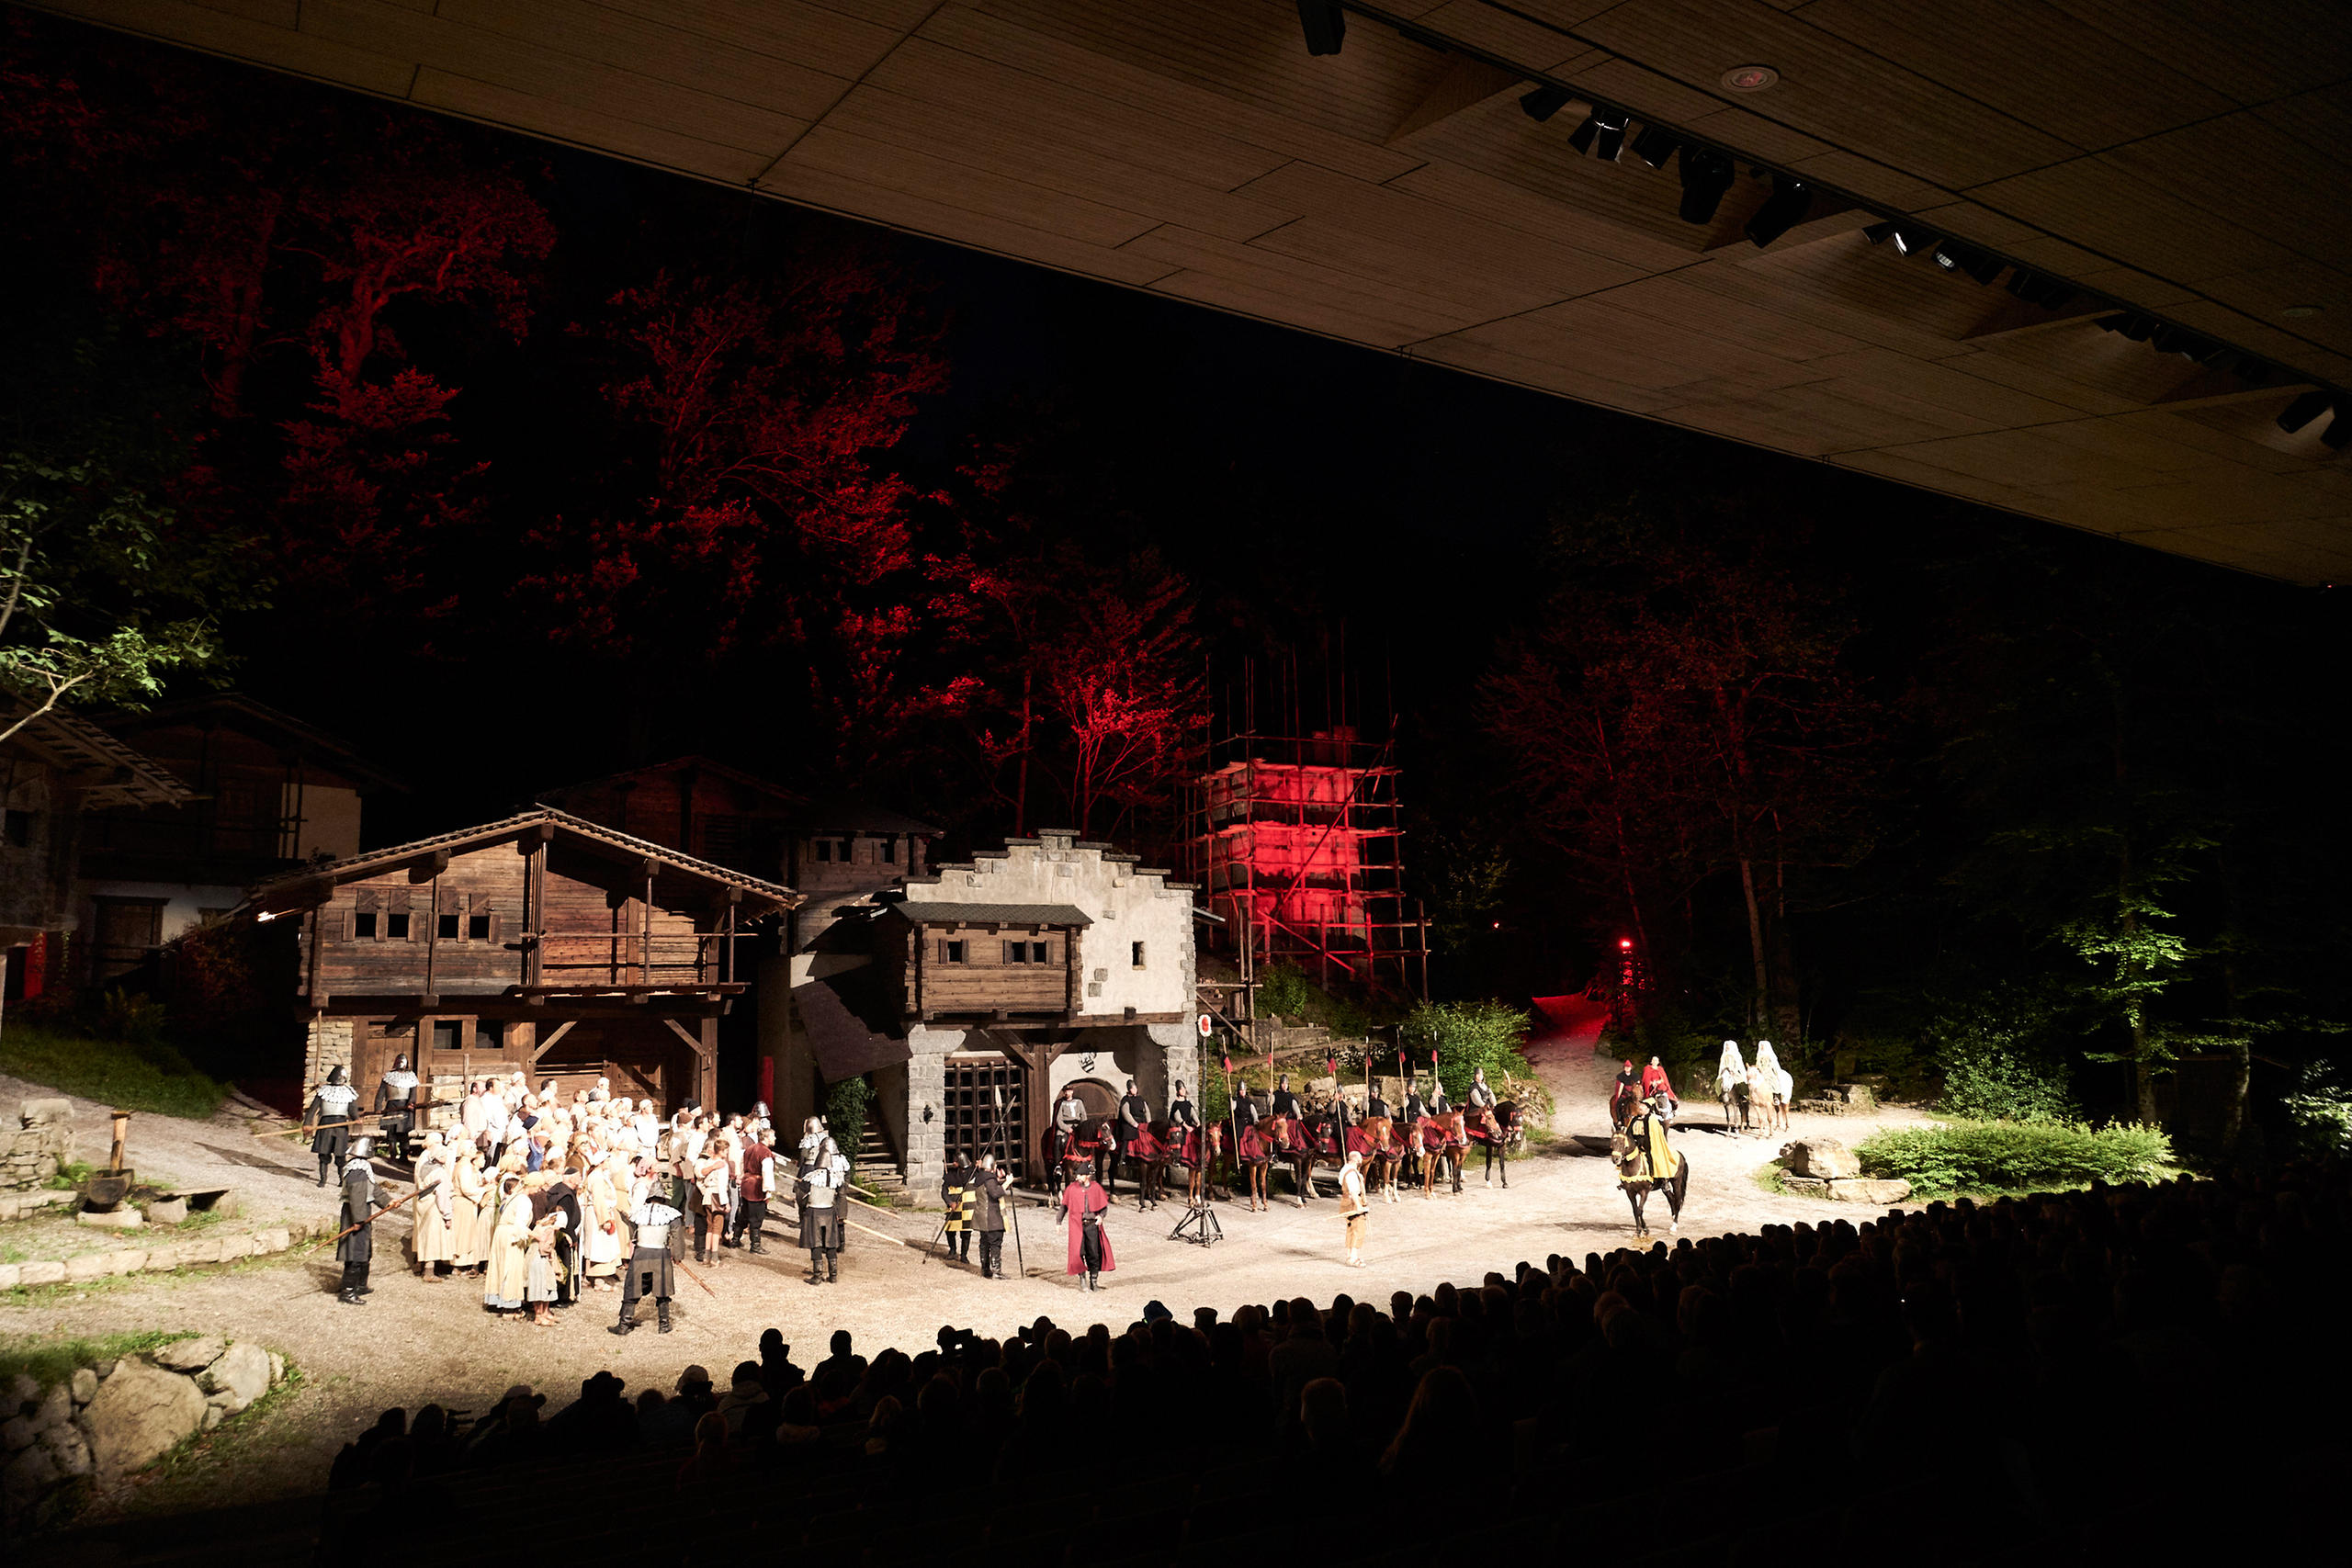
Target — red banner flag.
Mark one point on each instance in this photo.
(1229, 1062)
(1330, 1065)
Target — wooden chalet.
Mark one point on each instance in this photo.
(544, 941)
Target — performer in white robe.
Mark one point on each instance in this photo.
(435, 1201)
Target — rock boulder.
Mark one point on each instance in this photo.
(241, 1374)
(85, 1386)
(190, 1355)
(1861, 1189)
(140, 1412)
(1825, 1158)
(1803, 1186)
(167, 1211)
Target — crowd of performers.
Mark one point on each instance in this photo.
(547, 1199)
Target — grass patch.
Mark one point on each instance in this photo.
(120, 1073)
(1990, 1159)
(1766, 1178)
(51, 1361)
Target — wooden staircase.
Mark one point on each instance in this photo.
(876, 1169)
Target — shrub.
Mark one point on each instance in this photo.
(2010, 1157)
(1469, 1035)
(2320, 1110)
(1993, 1069)
(846, 1104)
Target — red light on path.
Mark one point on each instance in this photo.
(1625, 944)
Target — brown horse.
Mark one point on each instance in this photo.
(1089, 1145)
(1382, 1147)
(1634, 1174)
(1163, 1143)
(1207, 1150)
(1500, 1130)
(1444, 1140)
(1252, 1153)
(1287, 1142)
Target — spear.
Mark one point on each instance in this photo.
(306, 1131)
(371, 1220)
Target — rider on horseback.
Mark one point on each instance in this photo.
(1623, 1093)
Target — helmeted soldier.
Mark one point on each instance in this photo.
(1284, 1102)
(1179, 1109)
(1438, 1104)
(329, 1122)
(648, 1271)
(357, 1250)
(1374, 1106)
(957, 1196)
(987, 1192)
(824, 1229)
(1481, 1097)
(1134, 1112)
(396, 1105)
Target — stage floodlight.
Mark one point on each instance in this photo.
(1655, 146)
(1706, 176)
(1325, 25)
(2304, 410)
(1908, 242)
(2338, 433)
(1780, 211)
(1602, 128)
(2035, 289)
(1967, 260)
(1544, 102)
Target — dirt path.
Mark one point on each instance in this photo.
(416, 1342)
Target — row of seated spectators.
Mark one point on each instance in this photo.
(2079, 1367)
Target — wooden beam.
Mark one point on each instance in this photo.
(1466, 83)
(428, 867)
(2012, 317)
(679, 1030)
(547, 1042)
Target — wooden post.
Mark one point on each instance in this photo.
(645, 936)
(706, 1094)
(432, 936)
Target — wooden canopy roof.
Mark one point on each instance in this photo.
(314, 884)
(2174, 170)
(939, 912)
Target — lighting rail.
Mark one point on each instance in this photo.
(1708, 170)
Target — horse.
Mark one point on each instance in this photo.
(1089, 1140)
(1152, 1148)
(1199, 1155)
(1252, 1155)
(1632, 1165)
(1498, 1129)
(1444, 1142)
(1734, 1095)
(1377, 1139)
(1286, 1141)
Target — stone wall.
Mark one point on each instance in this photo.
(113, 1418)
(329, 1047)
(42, 1142)
(927, 1087)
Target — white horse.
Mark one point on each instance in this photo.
(1772, 1110)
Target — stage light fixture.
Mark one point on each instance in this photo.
(1967, 260)
(1780, 211)
(2304, 410)
(1603, 129)
(1325, 25)
(1706, 176)
(1655, 146)
(2338, 433)
(2035, 289)
(1908, 242)
(1544, 102)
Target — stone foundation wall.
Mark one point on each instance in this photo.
(329, 1046)
(927, 1086)
(42, 1141)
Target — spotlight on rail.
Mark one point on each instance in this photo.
(1602, 134)
(2035, 289)
(1655, 146)
(1908, 240)
(2304, 410)
(1780, 211)
(1706, 176)
(1325, 25)
(1968, 261)
(1544, 102)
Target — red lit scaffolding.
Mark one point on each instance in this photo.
(1298, 841)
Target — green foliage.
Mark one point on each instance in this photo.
(1284, 990)
(51, 1361)
(845, 1106)
(2320, 1110)
(103, 593)
(1216, 1103)
(1995, 1066)
(126, 1074)
(1466, 1036)
(2014, 1157)
(129, 1018)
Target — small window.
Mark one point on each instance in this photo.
(477, 929)
(951, 951)
(1135, 952)
(363, 926)
(448, 1034)
(888, 849)
(396, 926)
(446, 928)
(490, 1034)
(17, 827)
(823, 850)
(1016, 952)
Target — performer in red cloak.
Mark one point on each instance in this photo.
(1654, 1084)
(1083, 1202)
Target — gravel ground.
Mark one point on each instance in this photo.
(416, 1342)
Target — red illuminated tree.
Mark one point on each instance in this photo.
(762, 505)
(1124, 679)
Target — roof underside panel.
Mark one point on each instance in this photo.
(2184, 160)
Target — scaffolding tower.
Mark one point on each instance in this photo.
(1297, 840)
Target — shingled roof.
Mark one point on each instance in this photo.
(295, 889)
